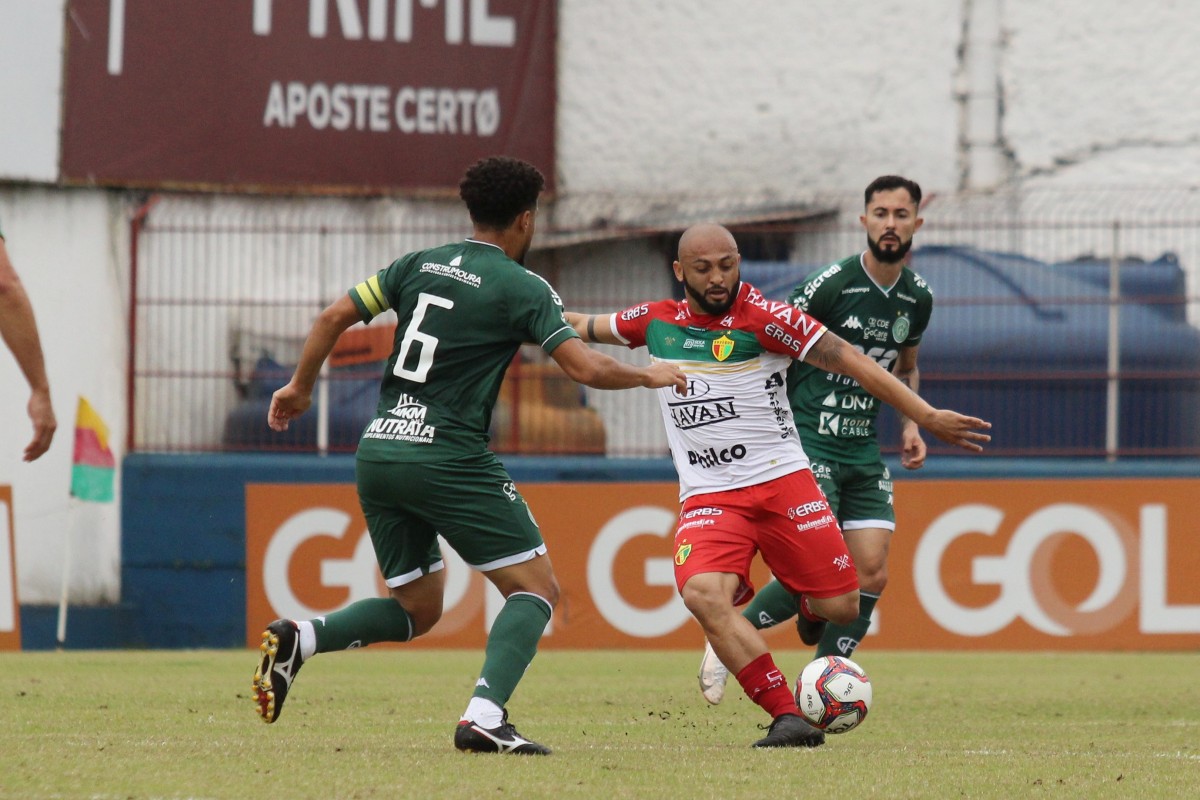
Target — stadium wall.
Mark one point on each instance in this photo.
(990, 554)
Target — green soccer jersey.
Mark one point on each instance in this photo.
(463, 310)
(834, 415)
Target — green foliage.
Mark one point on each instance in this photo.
(378, 724)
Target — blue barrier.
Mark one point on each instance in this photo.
(183, 570)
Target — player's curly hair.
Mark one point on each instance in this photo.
(885, 183)
(497, 189)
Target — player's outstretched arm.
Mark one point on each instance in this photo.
(834, 354)
(584, 365)
(592, 327)
(292, 400)
(912, 446)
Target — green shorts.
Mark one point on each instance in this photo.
(471, 502)
(859, 494)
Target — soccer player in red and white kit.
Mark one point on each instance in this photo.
(744, 479)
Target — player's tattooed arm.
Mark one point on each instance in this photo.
(907, 373)
(830, 353)
(834, 354)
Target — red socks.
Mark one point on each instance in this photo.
(766, 686)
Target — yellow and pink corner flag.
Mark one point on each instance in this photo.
(93, 466)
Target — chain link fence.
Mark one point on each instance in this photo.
(1066, 317)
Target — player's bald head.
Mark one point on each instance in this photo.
(705, 237)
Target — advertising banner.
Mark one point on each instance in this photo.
(984, 564)
(10, 617)
(345, 95)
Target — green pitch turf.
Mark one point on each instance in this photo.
(378, 724)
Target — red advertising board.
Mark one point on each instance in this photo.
(348, 95)
(988, 564)
(10, 617)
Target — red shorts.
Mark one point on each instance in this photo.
(787, 519)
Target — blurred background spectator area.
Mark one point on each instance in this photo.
(1066, 317)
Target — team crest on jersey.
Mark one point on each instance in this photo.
(900, 329)
(722, 347)
(682, 553)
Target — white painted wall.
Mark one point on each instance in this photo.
(703, 97)
(713, 96)
(70, 249)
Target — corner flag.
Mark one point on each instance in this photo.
(92, 466)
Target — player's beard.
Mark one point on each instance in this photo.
(889, 256)
(708, 307)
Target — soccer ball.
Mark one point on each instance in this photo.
(834, 694)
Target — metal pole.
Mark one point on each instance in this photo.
(323, 380)
(141, 218)
(1112, 407)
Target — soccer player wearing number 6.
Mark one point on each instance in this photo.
(882, 308)
(423, 467)
(745, 482)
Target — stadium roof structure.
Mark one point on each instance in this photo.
(588, 219)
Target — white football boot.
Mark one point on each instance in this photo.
(713, 676)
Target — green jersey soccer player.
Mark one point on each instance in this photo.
(423, 466)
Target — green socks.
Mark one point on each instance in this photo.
(511, 646)
(774, 604)
(841, 640)
(771, 605)
(378, 619)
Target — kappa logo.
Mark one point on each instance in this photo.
(852, 322)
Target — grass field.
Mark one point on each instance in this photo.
(378, 723)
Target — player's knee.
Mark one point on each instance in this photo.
(841, 610)
(423, 612)
(546, 588)
(873, 580)
(423, 619)
(703, 600)
(550, 592)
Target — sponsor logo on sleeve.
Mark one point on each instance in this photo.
(630, 314)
